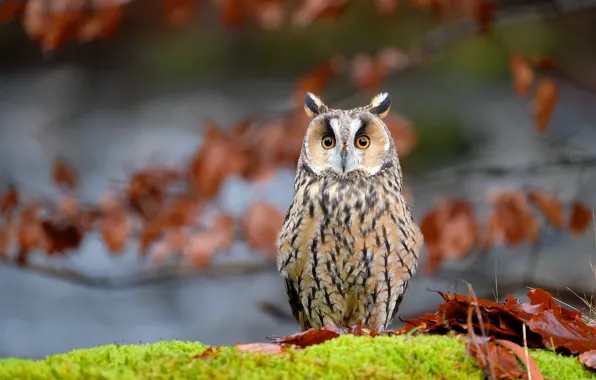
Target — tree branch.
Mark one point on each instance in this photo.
(141, 278)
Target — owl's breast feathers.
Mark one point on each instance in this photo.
(347, 249)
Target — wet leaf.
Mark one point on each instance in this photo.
(550, 207)
(523, 75)
(580, 219)
(545, 100)
(262, 222)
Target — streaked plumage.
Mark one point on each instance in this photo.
(349, 245)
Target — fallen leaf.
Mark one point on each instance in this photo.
(262, 223)
(266, 348)
(528, 361)
(523, 75)
(311, 336)
(545, 100)
(550, 207)
(580, 219)
(495, 360)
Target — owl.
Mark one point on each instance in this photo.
(349, 245)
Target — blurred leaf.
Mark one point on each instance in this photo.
(64, 175)
(545, 100)
(581, 217)
(550, 207)
(523, 75)
(262, 223)
(9, 200)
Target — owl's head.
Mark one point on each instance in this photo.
(344, 141)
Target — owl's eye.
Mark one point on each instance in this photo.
(328, 142)
(362, 142)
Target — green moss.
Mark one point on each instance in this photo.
(423, 357)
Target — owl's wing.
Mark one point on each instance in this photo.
(296, 305)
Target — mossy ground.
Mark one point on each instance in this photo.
(347, 357)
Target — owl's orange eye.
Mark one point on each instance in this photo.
(328, 142)
(362, 142)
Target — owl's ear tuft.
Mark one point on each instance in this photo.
(380, 105)
(313, 106)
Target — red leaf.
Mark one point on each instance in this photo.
(209, 353)
(311, 337)
(61, 236)
(511, 221)
(545, 100)
(233, 13)
(520, 352)
(581, 217)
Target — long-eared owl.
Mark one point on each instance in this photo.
(348, 246)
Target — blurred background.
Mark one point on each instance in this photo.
(203, 99)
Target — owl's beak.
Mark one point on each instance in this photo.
(344, 157)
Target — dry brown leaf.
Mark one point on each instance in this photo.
(266, 348)
(523, 75)
(102, 23)
(114, 226)
(313, 10)
(450, 232)
(520, 352)
(550, 207)
(580, 219)
(511, 221)
(202, 246)
(386, 6)
(262, 223)
(9, 200)
(545, 100)
(219, 157)
(64, 175)
(4, 240)
(315, 80)
(11, 9)
(179, 12)
(269, 13)
(495, 360)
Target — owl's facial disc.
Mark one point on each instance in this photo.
(344, 143)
